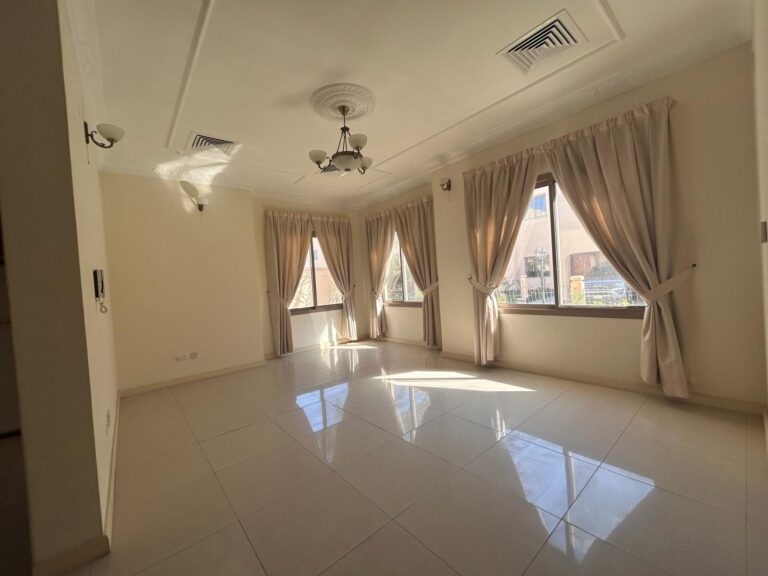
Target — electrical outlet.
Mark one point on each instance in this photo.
(181, 357)
(193, 355)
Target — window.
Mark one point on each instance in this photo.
(317, 289)
(399, 285)
(557, 268)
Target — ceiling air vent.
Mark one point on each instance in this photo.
(202, 142)
(554, 36)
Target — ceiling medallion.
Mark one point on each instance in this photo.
(359, 101)
(344, 101)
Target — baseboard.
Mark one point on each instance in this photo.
(744, 406)
(459, 357)
(125, 392)
(418, 343)
(108, 517)
(734, 405)
(73, 558)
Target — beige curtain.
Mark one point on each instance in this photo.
(379, 235)
(496, 198)
(415, 227)
(335, 238)
(617, 176)
(287, 237)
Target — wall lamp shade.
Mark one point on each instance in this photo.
(445, 184)
(109, 132)
(189, 189)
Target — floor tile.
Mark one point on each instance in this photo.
(395, 475)
(390, 551)
(148, 529)
(757, 493)
(345, 442)
(452, 438)
(504, 411)
(209, 416)
(477, 529)
(236, 446)
(277, 397)
(572, 552)
(226, 553)
(583, 422)
(312, 418)
(161, 474)
(151, 424)
(543, 477)
(709, 430)
(264, 479)
(757, 455)
(306, 532)
(757, 549)
(397, 411)
(679, 535)
(709, 479)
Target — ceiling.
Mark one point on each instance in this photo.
(244, 70)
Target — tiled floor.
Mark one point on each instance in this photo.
(382, 459)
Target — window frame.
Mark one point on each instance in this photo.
(314, 308)
(557, 309)
(403, 303)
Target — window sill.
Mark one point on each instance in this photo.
(328, 308)
(631, 312)
(403, 304)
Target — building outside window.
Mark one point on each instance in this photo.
(317, 289)
(555, 264)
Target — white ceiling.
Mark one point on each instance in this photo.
(245, 70)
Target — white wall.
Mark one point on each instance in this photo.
(180, 283)
(42, 193)
(404, 323)
(715, 225)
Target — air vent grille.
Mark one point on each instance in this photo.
(203, 142)
(553, 37)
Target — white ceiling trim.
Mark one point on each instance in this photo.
(202, 26)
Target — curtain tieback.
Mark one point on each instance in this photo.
(429, 289)
(347, 294)
(280, 299)
(487, 290)
(668, 285)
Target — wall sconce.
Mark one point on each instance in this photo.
(445, 184)
(199, 201)
(112, 134)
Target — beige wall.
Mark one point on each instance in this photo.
(99, 329)
(43, 192)
(181, 283)
(716, 218)
(760, 48)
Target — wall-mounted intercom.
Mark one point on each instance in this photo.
(99, 289)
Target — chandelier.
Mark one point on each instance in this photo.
(348, 155)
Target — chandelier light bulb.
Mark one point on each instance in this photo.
(317, 156)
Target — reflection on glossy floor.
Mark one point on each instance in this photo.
(382, 459)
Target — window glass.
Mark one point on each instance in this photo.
(399, 285)
(393, 280)
(529, 278)
(327, 291)
(586, 277)
(411, 292)
(303, 297)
